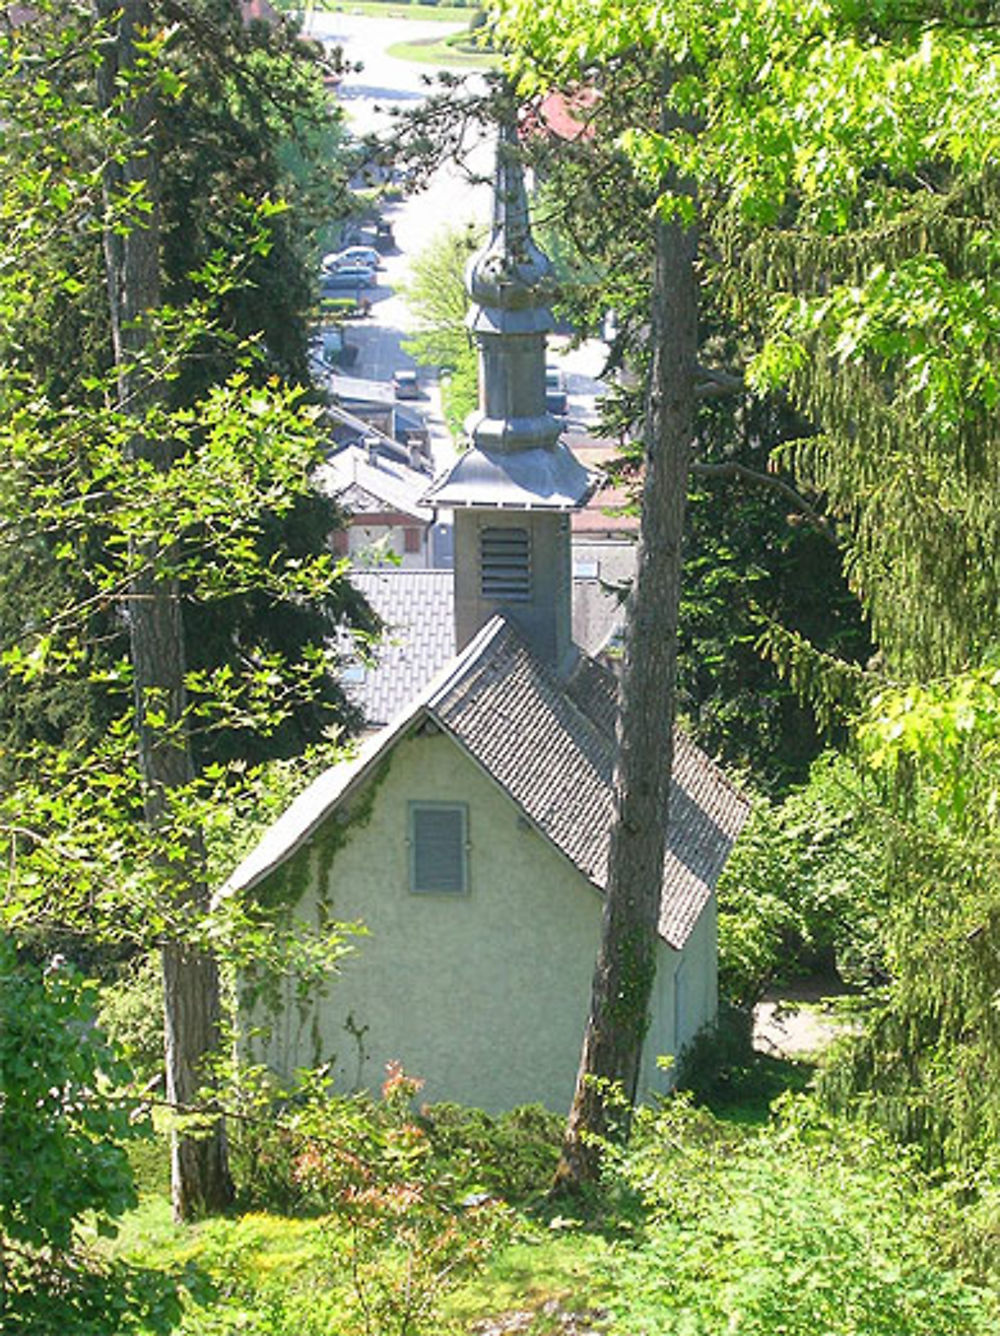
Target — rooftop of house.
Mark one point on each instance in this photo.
(366, 481)
(417, 609)
(611, 509)
(549, 744)
(261, 11)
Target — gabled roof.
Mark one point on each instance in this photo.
(261, 11)
(373, 483)
(549, 744)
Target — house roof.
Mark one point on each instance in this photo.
(537, 479)
(549, 744)
(611, 509)
(260, 10)
(357, 389)
(417, 609)
(363, 482)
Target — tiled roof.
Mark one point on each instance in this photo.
(417, 608)
(350, 476)
(611, 509)
(551, 746)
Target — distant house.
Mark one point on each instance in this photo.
(14, 16)
(470, 833)
(604, 533)
(382, 499)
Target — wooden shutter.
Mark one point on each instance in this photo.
(437, 847)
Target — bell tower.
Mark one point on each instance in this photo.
(514, 488)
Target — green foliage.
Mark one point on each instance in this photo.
(807, 1226)
(753, 552)
(251, 165)
(928, 1065)
(405, 1225)
(64, 1126)
(511, 1155)
(131, 1014)
(436, 295)
(750, 563)
(804, 888)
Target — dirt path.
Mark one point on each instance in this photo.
(799, 1021)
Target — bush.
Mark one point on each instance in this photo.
(65, 1122)
(512, 1155)
(803, 888)
(809, 1225)
(720, 1055)
(132, 1016)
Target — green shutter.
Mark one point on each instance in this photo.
(437, 844)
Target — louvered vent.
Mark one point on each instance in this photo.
(506, 564)
(437, 847)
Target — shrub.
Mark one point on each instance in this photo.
(809, 1225)
(720, 1055)
(513, 1155)
(63, 1131)
(132, 1016)
(803, 889)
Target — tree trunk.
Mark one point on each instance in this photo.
(626, 963)
(200, 1174)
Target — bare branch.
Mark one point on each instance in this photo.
(741, 473)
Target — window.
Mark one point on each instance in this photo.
(505, 564)
(438, 847)
(411, 540)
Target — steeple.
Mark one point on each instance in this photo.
(513, 488)
(509, 283)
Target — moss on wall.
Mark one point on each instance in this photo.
(267, 994)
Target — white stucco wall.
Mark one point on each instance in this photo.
(483, 995)
(363, 537)
(685, 998)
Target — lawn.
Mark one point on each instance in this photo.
(262, 1274)
(456, 50)
(382, 9)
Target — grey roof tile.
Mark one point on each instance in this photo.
(551, 746)
(416, 607)
(363, 484)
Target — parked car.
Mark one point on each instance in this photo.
(405, 384)
(555, 392)
(349, 257)
(347, 279)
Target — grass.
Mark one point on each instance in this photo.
(246, 1262)
(458, 49)
(260, 1273)
(386, 9)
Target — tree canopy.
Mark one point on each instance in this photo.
(842, 161)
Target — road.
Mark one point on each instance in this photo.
(456, 195)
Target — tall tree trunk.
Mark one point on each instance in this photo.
(626, 963)
(199, 1169)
